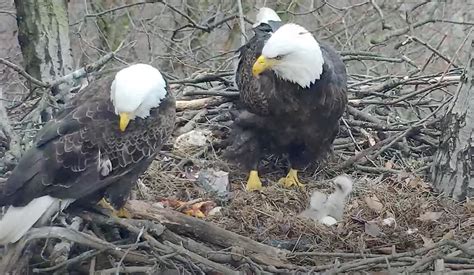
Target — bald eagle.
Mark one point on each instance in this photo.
(293, 92)
(96, 148)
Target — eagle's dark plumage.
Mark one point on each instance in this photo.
(83, 156)
(282, 116)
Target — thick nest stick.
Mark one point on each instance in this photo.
(160, 239)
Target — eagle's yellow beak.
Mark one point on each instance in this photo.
(124, 120)
(262, 64)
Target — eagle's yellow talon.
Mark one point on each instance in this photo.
(253, 183)
(291, 179)
(121, 213)
(104, 204)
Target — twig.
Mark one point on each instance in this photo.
(82, 238)
(368, 151)
(119, 264)
(200, 103)
(334, 254)
(8, 262)
(373, 58)
(398, 32)
(377, 170)
(128, 270)
(202, 78)
(366, 116)
(435, 51)
(200, 259)
(113, 10)
(62, 249)
(79, 73)
(191, 124)
(243, 37)
(13, 140)
(212, 93)
(78, 259)
(349, 265)
(421, 265)
(22, 72)
(382, 18)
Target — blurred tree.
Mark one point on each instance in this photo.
(43, 35)
(453, 168)
(113, 27)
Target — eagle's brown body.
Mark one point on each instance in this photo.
(83, 155)
(282, 117)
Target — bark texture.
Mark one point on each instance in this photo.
(452, 170)
(43, 35)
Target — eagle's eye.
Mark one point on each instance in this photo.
(278, 57)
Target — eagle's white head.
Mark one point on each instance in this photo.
(135, 91)
(264, 15)
(293, 54)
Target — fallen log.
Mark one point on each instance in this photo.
(208, 232)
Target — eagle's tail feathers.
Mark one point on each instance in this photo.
(18, 220)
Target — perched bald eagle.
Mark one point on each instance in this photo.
(96, 148)
(293, 90)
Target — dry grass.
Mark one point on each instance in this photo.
(270, 216)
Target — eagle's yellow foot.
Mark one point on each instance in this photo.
(121, 213)
(291, 179)
(253, 183)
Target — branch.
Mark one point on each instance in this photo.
(400, 31)
(243, 37)
(208, 232)
(113, 10)
(200, 103)
(22, 72)
(13, 140)
(79, 73)
(382, 18)
(15, 252)
(435, 51)
(203, 78)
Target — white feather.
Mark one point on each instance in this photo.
(264, 15)
(329, 209)
(137, 89)
(301, 57)
(18, 220)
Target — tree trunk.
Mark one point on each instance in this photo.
(452, 172)
(43, 34)
(113, 27)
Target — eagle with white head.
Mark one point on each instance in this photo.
(94, 150)
(293, 94)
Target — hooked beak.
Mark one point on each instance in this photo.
(262, 64)
(124, 120)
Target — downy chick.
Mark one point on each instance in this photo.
(329, 210)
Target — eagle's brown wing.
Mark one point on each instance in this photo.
(82, 151)
(255, 93)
